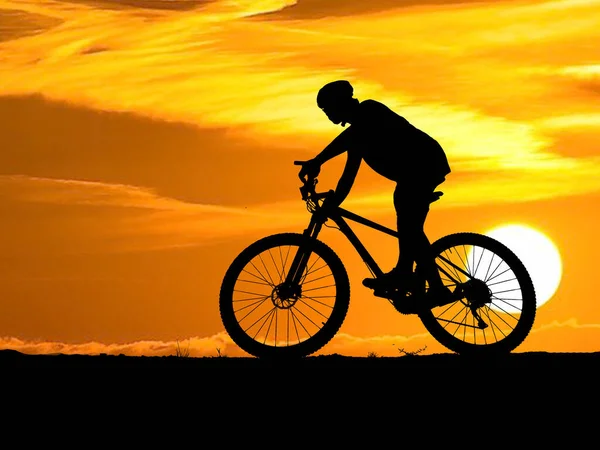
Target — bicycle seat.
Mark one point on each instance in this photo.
(436, 196)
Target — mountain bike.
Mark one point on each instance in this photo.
(287, 295)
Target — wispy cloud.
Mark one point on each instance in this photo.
(15, 23)
(319, 9)
(566, 336)
(453, 85)
(193, 347)
(168, 5)
(78, 192)
(147, 220)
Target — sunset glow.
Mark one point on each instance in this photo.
(537, 252)
(146, 143)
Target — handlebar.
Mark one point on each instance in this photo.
(309, 194)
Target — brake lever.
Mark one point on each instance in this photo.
(308, 187)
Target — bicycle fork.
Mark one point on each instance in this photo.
(297, 269)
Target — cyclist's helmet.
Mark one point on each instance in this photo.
(335, 92)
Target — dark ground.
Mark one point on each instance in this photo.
(476, 400)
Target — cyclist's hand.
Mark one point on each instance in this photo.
(310, 169)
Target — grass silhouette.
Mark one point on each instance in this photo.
(531, 363)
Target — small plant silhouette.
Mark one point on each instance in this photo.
(416, 352)
(219, 354)
(182, 353)
(372, 355)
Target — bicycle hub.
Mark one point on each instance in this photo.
(285, 296)
(477, 292)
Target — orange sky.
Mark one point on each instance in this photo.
(144, 144)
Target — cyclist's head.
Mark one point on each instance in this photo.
(334, 93)
(336, 100)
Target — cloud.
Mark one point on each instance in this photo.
(193, 347)
(319, 9)
(555, 337)
(151, 184)
(76, 192)
(168, 5)
(58, 140)
(125, 218)
(15, 24)
(268, 75)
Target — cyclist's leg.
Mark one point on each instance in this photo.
(410, 217)
(412, 207)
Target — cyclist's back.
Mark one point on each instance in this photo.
(394, 148)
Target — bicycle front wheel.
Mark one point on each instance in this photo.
(270, 319)
(496, 305)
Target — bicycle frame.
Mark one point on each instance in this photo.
(338, 216)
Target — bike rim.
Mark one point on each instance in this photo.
(277, 315)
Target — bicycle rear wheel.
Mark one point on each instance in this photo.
(269, 319)
(496, 303)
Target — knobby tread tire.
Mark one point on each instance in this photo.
(313, 343)
(527, 317)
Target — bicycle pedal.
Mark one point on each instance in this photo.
(382, 293)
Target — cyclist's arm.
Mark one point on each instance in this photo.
(338, 146)
(348, 176)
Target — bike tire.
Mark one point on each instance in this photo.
(510, 314)
(249, 305)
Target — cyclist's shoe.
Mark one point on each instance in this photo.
(390, 281)
(439, 296)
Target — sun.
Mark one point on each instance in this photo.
(537, 252)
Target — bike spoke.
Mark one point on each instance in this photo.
(272, 283)
(302, 300)
(307, 318)
(493, 274)
(466, 260)
(487, 280)
(317, 279)
(284, 263)
(513, 279)
(256, 306)
(268, 315)
(271, 316)
(249, 299)
(516, 304)
(298, 320)
(502, 317)
(447, 264)
(277, 268)
(261, 278)
(487, 315)
(480, 259)
(310, 271)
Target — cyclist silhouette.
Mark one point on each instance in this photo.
(398, 151)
